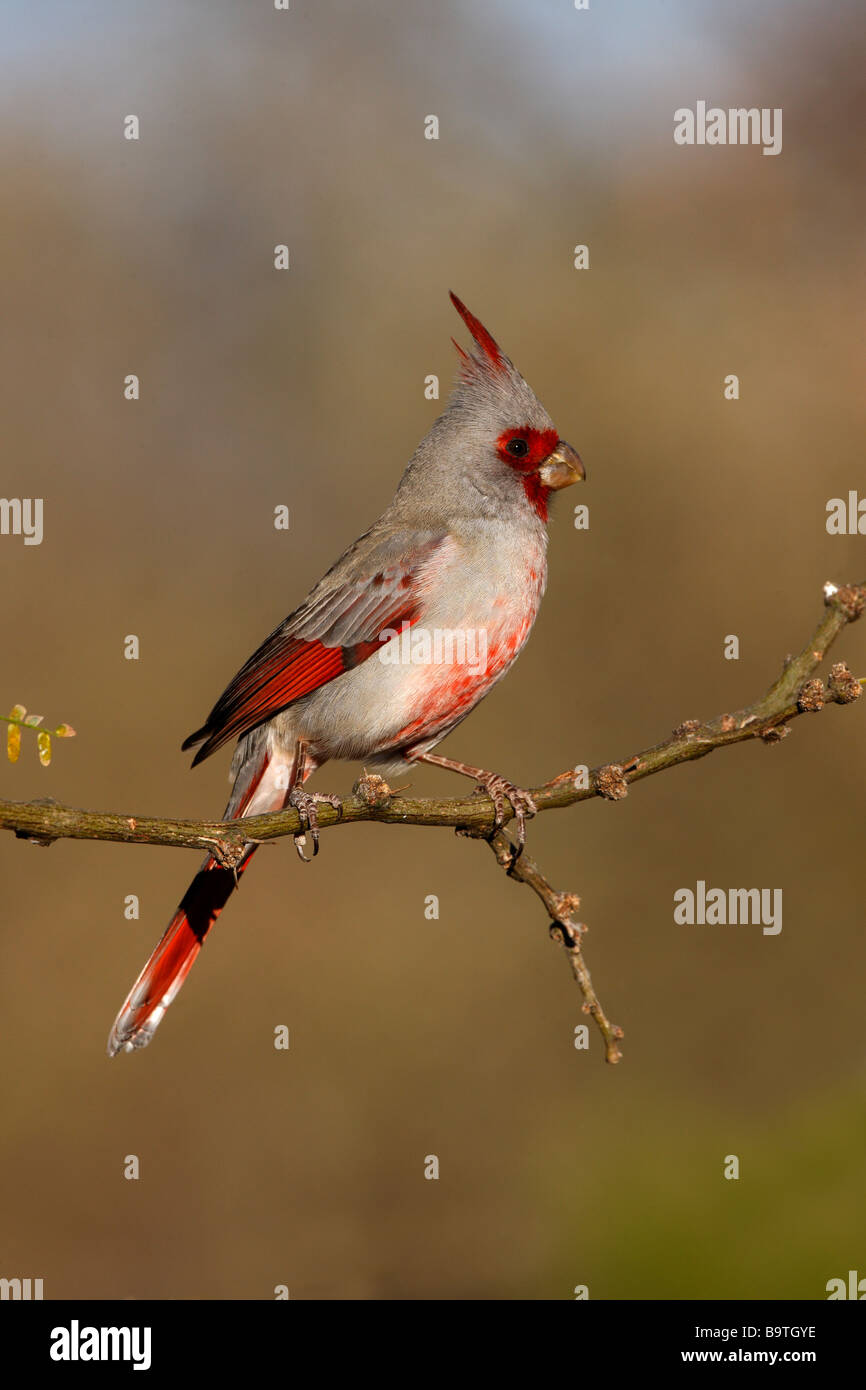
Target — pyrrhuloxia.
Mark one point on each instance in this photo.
(460, 550)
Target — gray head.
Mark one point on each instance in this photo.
(494, 446)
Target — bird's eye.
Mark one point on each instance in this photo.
(518, 448)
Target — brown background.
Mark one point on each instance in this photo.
(412, 1037)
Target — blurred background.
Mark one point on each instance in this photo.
(453, 1037)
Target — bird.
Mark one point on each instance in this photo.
(368, 668)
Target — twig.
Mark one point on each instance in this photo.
(564, 928)
(796, 691)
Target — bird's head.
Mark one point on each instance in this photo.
(514, 440)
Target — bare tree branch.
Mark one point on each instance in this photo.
(564, 928)
(796, 691)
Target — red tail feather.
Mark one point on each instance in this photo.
(201, 905)
(173, 958)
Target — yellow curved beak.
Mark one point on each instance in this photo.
(562, 468)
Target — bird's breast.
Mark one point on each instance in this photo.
(473, 625)
(476, 606)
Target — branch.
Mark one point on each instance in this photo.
(796, 691)
(561, 908)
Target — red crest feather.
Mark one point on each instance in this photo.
(484, 340)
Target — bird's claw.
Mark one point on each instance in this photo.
(498, 789)
(306, 803)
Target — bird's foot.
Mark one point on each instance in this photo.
(306, 804)
(497, 788)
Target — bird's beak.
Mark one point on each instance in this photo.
(562, 468)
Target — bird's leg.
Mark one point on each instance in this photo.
(306, 803)
(497, 789)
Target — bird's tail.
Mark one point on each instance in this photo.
(260, 787)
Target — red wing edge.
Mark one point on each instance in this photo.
(282, 670)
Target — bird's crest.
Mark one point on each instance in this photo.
(488, 381)
(492, 355)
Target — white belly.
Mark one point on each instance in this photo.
(475, 617)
